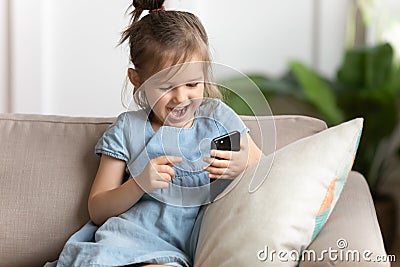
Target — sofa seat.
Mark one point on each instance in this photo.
(47, 165)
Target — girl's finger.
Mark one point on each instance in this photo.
(224, 154)
(165, 169)
(167, 160)
(213, 170)
(215, 176)
(165, 177)
(217, 162)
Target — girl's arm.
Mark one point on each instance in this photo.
(108, 196)
(254, 152)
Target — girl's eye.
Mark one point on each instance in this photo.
(192, 84)
(166, 88)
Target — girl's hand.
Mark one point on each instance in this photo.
(158, 173)
(228, 165)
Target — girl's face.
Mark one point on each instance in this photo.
(175, 93)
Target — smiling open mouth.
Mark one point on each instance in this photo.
(177, 113)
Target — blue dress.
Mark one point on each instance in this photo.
(162, 227)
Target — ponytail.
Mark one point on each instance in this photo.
(141, 5)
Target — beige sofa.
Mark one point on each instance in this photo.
(47, 165)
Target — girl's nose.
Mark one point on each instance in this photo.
(180, 94)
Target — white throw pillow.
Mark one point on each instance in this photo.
(287, 211)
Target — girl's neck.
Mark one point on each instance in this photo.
(154, 121)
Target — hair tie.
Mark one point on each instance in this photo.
(162, 8)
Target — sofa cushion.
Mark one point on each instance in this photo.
(46, 168)
(47, 164)
(287, 129)
(287, 211)
(352, 229)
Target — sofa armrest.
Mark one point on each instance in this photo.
(353, 224)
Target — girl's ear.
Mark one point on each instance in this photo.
(134, 77)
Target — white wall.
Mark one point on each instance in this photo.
(65, 59)
(254, 35)
(87, 70)
(331, 39)
(3, 56)
(263, 36)
(384, 23)
(27, 52)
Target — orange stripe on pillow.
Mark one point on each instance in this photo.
(326, 203)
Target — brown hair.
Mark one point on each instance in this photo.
(163, 37)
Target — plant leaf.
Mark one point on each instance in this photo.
(236, 89)
(318, 93)
(366, 67)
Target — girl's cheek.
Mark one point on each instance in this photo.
(154, 97)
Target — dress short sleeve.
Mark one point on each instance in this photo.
(113, 142)
(228, 119)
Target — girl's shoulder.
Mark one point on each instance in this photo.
(222, 116)
(132, 116)
(215, 108)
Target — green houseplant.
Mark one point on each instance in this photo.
(367, 85)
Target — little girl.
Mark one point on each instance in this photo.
(156, 161)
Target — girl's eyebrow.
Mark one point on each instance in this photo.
(199, 79)
(171, 83)
(166, 86)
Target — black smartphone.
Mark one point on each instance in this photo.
(229, 141)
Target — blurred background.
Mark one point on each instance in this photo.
(61, 57)
(332, 59)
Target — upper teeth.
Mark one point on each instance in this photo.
(179, 108)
